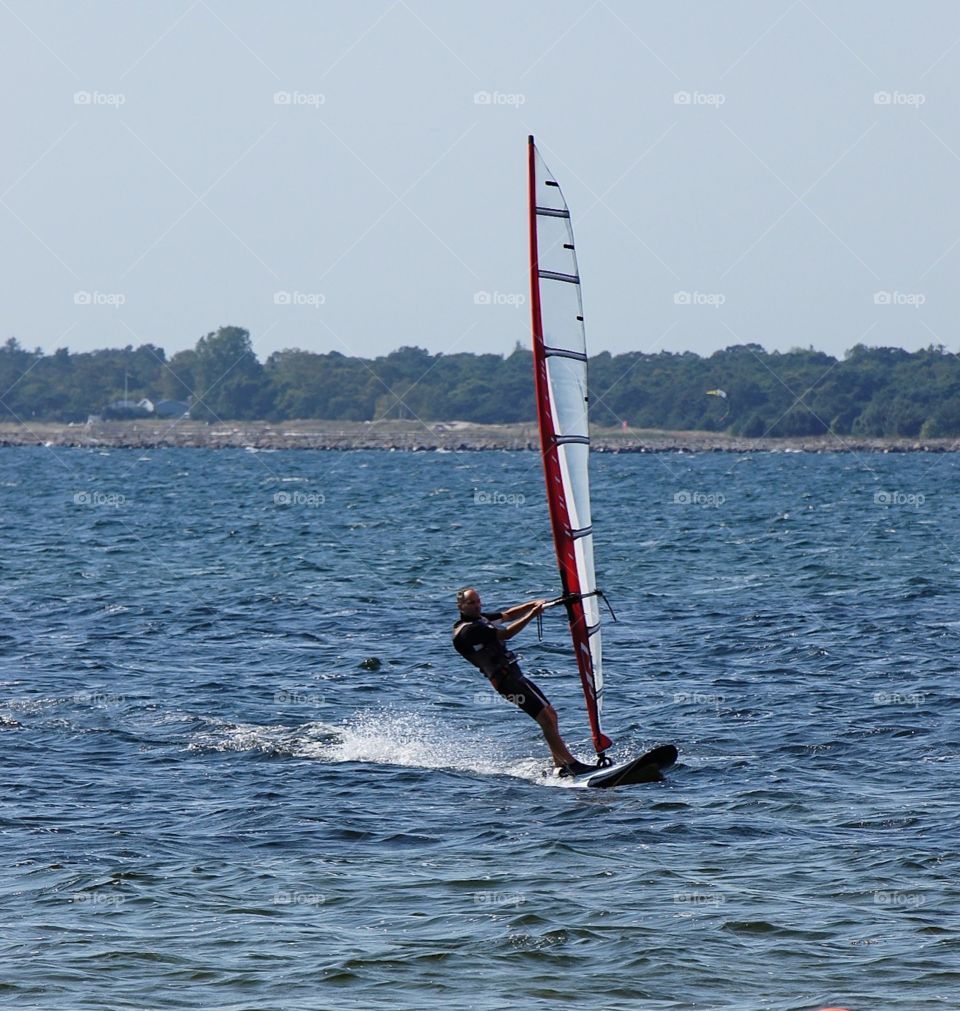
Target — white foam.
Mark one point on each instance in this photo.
(382, 737)
(392, 737)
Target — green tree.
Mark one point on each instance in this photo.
(229, 382)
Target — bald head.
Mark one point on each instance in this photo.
(468, 601)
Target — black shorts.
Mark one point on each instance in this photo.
(520, 690)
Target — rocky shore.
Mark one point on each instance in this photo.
(455, 436)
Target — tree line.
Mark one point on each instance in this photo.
(743, 389)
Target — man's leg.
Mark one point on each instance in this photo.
(522, 692)
(547, 718)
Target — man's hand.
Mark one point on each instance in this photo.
(524, 614)
(533, 607)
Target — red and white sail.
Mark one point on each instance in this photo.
(560, 367)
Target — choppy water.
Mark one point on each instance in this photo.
(243, 768)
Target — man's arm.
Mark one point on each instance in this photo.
(515, 612)
(527, 613)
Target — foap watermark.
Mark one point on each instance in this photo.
(511, 298)
(714, 98)
(298, 698)
(711, 298)
(96, 899)
(899, 699)
(498, 498)
(112, 298)
(899, 900)
(495, 698)
(298, 899)
(498, 899)
(314, 299)
(310, 99)
(99, 499)
(698, 899)
(697, 699)
(114, 99)
(85, 698)
(899, 498)
(914, 98)
(313, 499)
(499, 98)
(914, 298)
(704, 499)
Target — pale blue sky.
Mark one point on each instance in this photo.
(154, 187)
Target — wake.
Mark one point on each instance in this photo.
(380, 737)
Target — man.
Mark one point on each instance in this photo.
(479, 640)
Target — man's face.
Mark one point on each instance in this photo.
(470, 605)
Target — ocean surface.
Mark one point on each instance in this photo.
(242, 767)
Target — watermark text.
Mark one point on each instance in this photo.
(498, 498)
(704, 499)
(313, 499)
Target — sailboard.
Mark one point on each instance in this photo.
(560, 371)
(648, 768)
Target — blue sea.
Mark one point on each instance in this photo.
(243, 768)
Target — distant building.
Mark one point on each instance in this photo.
(127, 409)
(145, 408)
(171, 409)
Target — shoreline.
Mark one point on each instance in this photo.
(412, 436)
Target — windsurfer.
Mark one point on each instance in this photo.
(478, 639)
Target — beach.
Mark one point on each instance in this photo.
(452, 436)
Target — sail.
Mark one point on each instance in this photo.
(560, 368)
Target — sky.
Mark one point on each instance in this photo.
(351, 177)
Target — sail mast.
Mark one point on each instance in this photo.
(548, 436)
(560, 375)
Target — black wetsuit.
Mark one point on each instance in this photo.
(476, 640)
